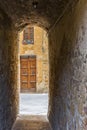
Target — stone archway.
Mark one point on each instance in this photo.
(67, 27)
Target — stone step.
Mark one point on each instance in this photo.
(31, 123)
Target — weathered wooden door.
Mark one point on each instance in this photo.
(28, 73)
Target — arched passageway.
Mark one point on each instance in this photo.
(66, 23)
(33, 71)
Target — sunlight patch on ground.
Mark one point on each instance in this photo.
(33, 104)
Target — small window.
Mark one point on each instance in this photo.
(28, 35)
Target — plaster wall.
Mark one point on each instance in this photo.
(68, 70)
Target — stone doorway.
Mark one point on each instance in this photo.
(33, 81)
(33, 49)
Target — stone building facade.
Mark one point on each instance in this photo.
(39, 49)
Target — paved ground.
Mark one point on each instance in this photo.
(31, 123)
(33, 104)
(33, 113)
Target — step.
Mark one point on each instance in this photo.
(31, 123)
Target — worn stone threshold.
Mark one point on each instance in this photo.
(31, 122)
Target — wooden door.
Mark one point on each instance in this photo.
(28, 73)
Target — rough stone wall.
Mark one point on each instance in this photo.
(8, 74)
(40, 49)
(68, 70)
(24, 13)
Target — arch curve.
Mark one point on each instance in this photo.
(23, 13)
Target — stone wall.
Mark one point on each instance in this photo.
(68, 65)
(40, 49)
(68, 70)
(8, 74)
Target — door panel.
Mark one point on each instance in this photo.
(24, 64)
(33, 71)
(24, 86)
(24, 78)
(33, 84)
(32, 77)
(24, 71)
(28, 72)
